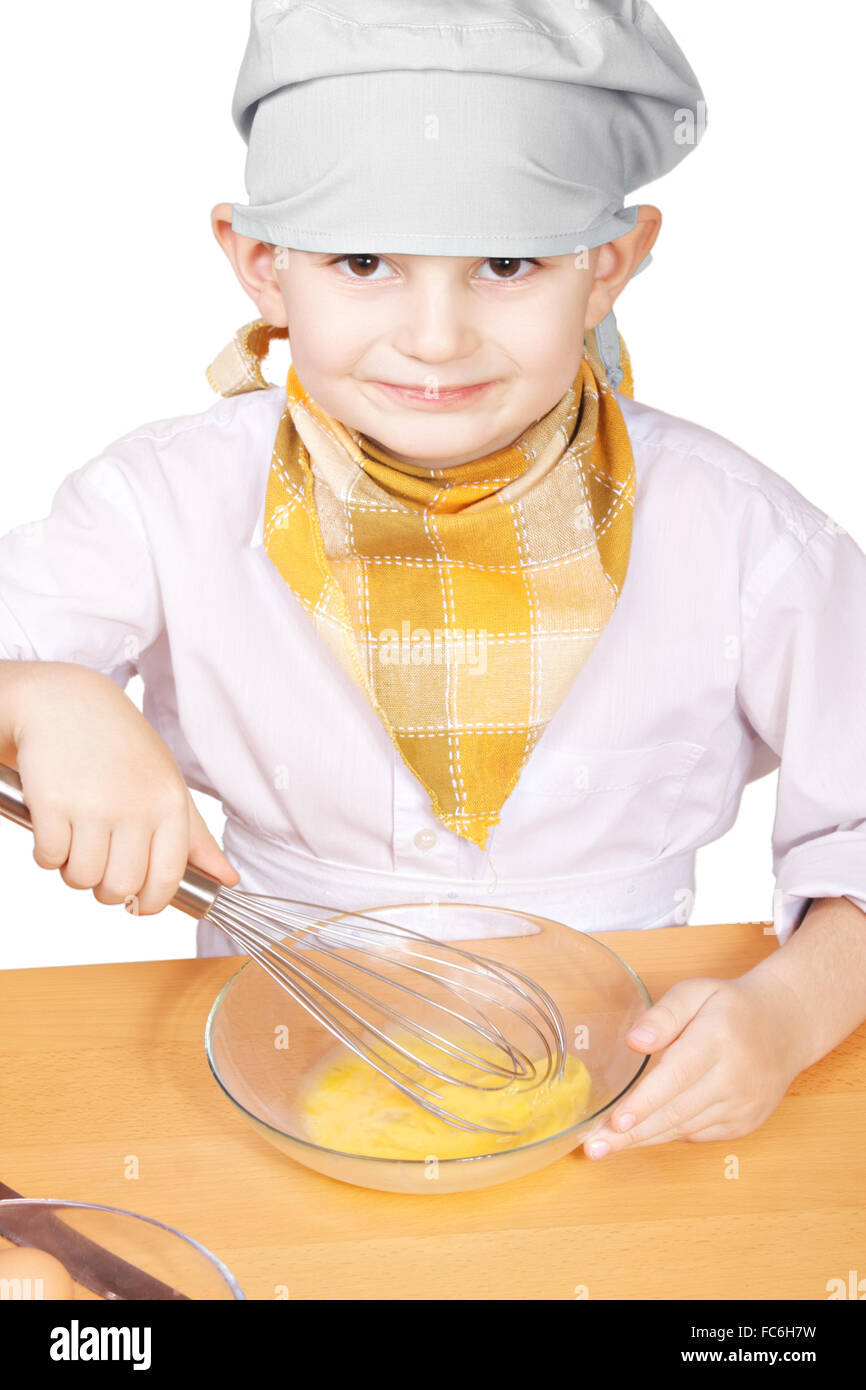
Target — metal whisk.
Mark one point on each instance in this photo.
(377, 986)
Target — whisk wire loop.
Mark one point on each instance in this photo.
(297, 946)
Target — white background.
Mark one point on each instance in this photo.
(117, 142)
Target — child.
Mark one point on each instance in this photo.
(453, 617)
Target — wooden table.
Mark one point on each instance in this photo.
(98, 1063)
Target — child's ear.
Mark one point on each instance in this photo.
(253, 264)
(617, 262)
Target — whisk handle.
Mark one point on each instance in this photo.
(12, 804)
(196, 891)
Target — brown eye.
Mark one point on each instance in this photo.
(365, 266)
(506, 267)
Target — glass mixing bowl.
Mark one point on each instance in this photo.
(100, 1252)
(598, 995)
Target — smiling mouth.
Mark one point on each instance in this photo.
(398, 385)
(435, 395)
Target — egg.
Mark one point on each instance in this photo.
(32, 1274)
(349, 1106)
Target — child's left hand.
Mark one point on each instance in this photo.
(730, 1049)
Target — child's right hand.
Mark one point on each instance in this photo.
(109, 806)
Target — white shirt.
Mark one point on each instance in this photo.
(736, 647)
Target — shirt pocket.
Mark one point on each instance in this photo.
(618, 802)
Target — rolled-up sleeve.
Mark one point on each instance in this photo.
(80, 585)
(802, 687)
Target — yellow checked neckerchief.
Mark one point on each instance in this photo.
(464, 601)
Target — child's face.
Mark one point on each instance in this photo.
(363, 326)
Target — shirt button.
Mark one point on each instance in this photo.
(425, 839)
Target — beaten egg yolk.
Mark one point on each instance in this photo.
(349, 1106)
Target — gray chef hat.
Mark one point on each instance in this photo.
(491, 128)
